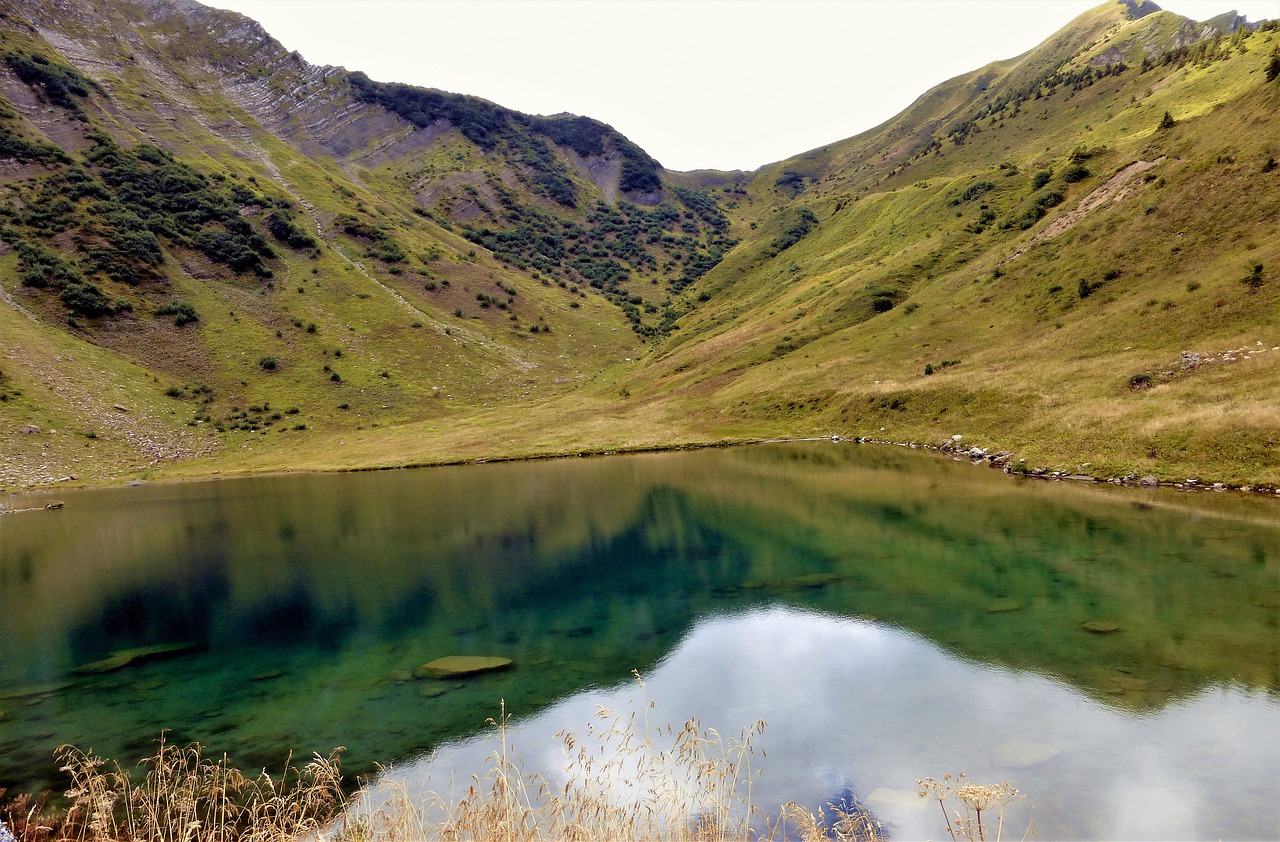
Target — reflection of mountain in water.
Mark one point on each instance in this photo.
(323, 587)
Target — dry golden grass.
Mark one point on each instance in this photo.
(975, 799)
(182, 796)
(623, 781)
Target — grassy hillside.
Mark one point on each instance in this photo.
(1026, 272)
(217, 258)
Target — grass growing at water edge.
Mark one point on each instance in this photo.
(623, 780)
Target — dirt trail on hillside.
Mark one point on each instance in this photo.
(1115, 189)
(8, 299)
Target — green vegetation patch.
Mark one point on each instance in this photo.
(680, 241)
(490, 126)
(797, 224)
(119, 207)
(59, 83)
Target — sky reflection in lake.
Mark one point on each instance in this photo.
(871, 707)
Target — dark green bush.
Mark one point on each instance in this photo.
(790, 180)
(800, 223)
(1254, 279)
(59, 82)
(977, 189)
(40, 267)
(1074, 173)
(182, 312)
(13, 146)
(85, 299)
(234, 250)
(281, 224)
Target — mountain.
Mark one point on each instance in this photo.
(216, 257)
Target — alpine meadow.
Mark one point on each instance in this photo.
(219, 259)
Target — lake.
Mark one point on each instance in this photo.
(1114, 653)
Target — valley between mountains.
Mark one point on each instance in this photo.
(217, 258)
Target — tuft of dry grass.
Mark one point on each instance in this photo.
(185, 796)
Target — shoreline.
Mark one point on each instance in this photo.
(953, 449)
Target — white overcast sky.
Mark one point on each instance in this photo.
(700, 84)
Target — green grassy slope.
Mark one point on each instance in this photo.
(1061, 340)
(1021, 257)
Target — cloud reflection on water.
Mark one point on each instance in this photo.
(871, 707)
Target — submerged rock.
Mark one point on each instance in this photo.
(1100, 627)
(108, 664)
(812, 580)
(1019, 753)
(32, 690)
(126, 657)
(452, 666)
(1004, 606)
(904, 799)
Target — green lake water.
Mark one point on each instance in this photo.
(1113, 653)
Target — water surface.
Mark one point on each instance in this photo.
(890, 614)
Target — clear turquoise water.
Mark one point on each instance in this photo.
(889, 614)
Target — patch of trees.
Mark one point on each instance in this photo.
(790, 180)
(282, 226)
(59, 83)
(973, 191)
(119, 205)
(42, 268)
(1034, 212)
(380, 244)
(614, 245)
(1202, 53)
(12, 145)
(797, 225)
(588, 137)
